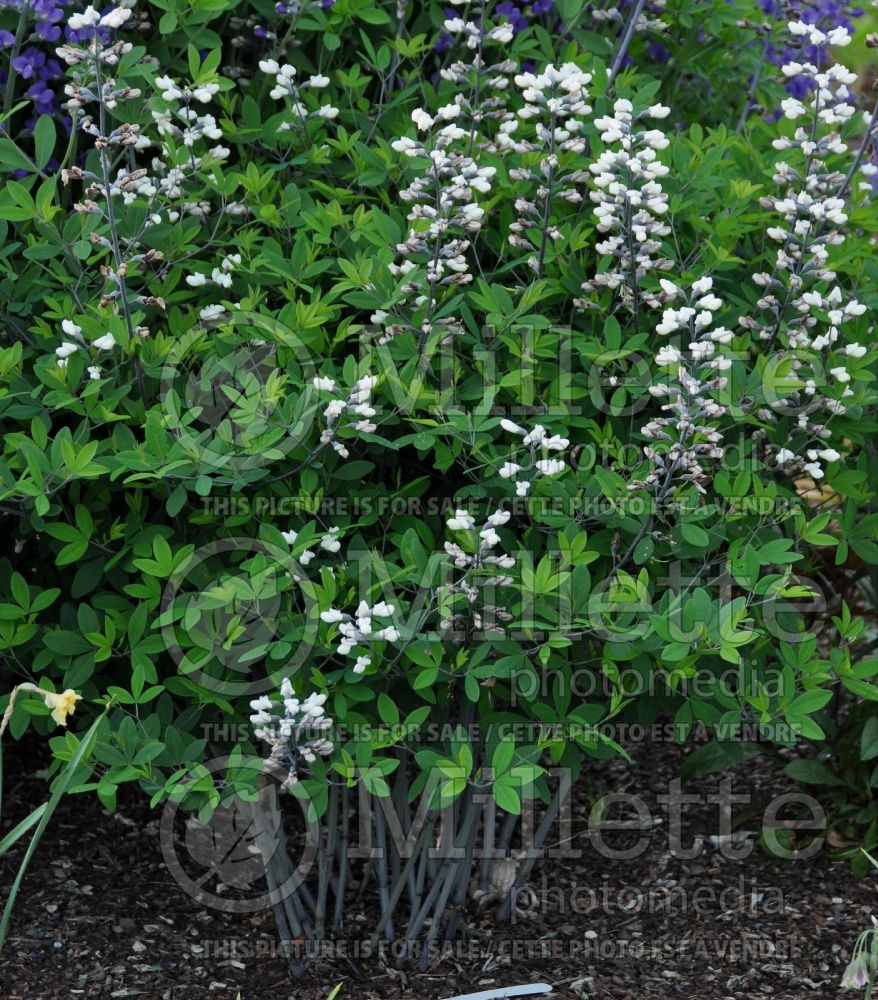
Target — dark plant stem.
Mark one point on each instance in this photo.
(539, 839)
(342, 858)
(114, 232)
(547, 204)
(751, 92)
(437, 898)
(447, 883)
(325, 862)
(381, 861)
(506, 833)
(488, 846)
(463, 875)
(625, 41)
(423, 867)
(861, 152)
(13, 55)
(401, 882)
(277, 869)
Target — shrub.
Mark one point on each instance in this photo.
(471, 409)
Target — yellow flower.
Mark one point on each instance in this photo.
(62, 705)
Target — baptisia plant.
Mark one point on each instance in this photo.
(555, 101)
(295, 736)
(803, 307)
(445, 215)
(630, 203)
(470, 410)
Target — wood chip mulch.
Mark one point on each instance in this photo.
(100, 916)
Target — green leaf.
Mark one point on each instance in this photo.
(503, 754)
(810, 772)
(176, 500)
(506, 796)
(695, 535)
(861, 688)
(44, 140)
(62, 783)
(716, 756)
(13, 158)
(869, 739)
(425, 678)
(18, 831)
(810, 701)
(387, 710)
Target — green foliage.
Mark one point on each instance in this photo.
(146, 508)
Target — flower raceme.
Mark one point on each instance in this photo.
(542, 461)
(444, 217)
(554, 111)
(487, 541)
(287, 89)
(356, 402)
(802, 307)
(179, 134)
(479, 68)
(294, 729)
(630, 202)
(478, 553)
(68, 348)
(329, 542)
(358, 630)
(688, 436)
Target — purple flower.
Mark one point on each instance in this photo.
(43, 98)
(28, 62)
(825, 14)
(51, 70)
(521, 15)
(445, 41)
(6, 39)
(514, 15)
(658, 53)
(47, 12)
(48, 32)
(800, 86)
(84, 35)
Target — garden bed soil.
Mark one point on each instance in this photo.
(99, 914)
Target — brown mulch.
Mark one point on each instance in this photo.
(99, 915)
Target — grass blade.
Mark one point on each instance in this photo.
(82, 751)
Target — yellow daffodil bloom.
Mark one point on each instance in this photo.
(62, 704)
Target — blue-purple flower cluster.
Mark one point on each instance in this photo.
(289, 10)
(823, 14)
(31, 63)
(517, 15)
(45, 13)
(520, 16)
